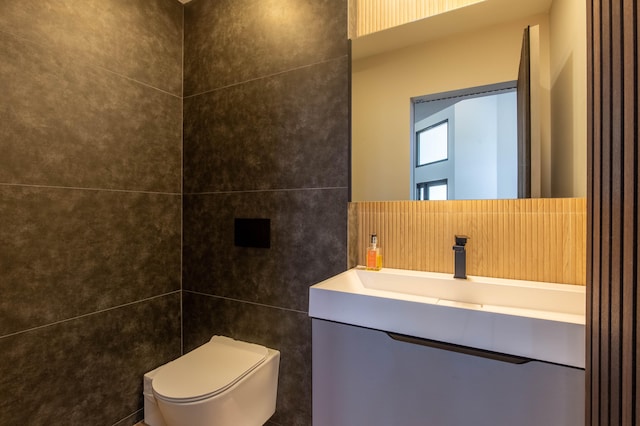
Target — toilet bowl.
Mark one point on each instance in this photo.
(224, 382)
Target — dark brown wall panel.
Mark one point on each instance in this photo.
(612, 230)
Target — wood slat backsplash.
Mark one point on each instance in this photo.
(528, 239)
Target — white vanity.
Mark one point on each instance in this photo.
(405, 348)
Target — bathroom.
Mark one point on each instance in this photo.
(117, 246)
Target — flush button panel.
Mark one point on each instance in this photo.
(252, 232)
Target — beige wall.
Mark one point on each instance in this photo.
(568, 58)
(383, 85)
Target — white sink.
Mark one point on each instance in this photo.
(541, 321)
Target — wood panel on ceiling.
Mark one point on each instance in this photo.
(612, 230)
(529, 239)
(377, 15)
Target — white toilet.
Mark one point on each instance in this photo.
(224, 382)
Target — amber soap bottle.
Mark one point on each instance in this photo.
(374, 257)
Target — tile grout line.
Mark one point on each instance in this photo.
(86, 63)
(327, 188)
(80, 188)
(182, 195)
(141, 423)
(264, 77)
(100, 311)
(247, 301)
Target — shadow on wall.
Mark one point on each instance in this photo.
(562, 117)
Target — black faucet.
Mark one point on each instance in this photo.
(460, 257)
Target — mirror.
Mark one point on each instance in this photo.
(472, 46)
(465, 145)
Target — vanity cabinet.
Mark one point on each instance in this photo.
(363, 377)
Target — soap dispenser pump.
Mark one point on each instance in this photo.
(374, 257)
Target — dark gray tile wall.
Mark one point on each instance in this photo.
(138, 39)
(70, 252)
(266, 134)
(234, 41)
(90, 206)
(87, 370)
(308, 234)
(272, 133)
(91, 192)
(69, 123)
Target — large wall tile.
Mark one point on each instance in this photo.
(284, 330)
(140, 39)
(87, 370)
(90, 97)
(73, 125)
(286, 131)
(65, 252)
(308, 234)
(231, 41)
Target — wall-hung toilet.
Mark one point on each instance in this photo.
(224, 382)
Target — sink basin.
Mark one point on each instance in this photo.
(536, 320)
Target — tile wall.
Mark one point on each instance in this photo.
(265, 136)
(92, 200)
(90, 206)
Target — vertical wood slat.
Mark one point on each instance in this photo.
(508, 238)
(616, 200)
(629, 212)
(635, 257)
(613, 317)
(605, 195)
(593, 216)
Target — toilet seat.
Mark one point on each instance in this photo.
(207, 370)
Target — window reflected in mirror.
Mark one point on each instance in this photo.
(432, 144)
(466, 144)
(434, 190)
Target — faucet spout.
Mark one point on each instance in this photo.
(460, 257)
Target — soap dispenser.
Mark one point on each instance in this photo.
(374, 257)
